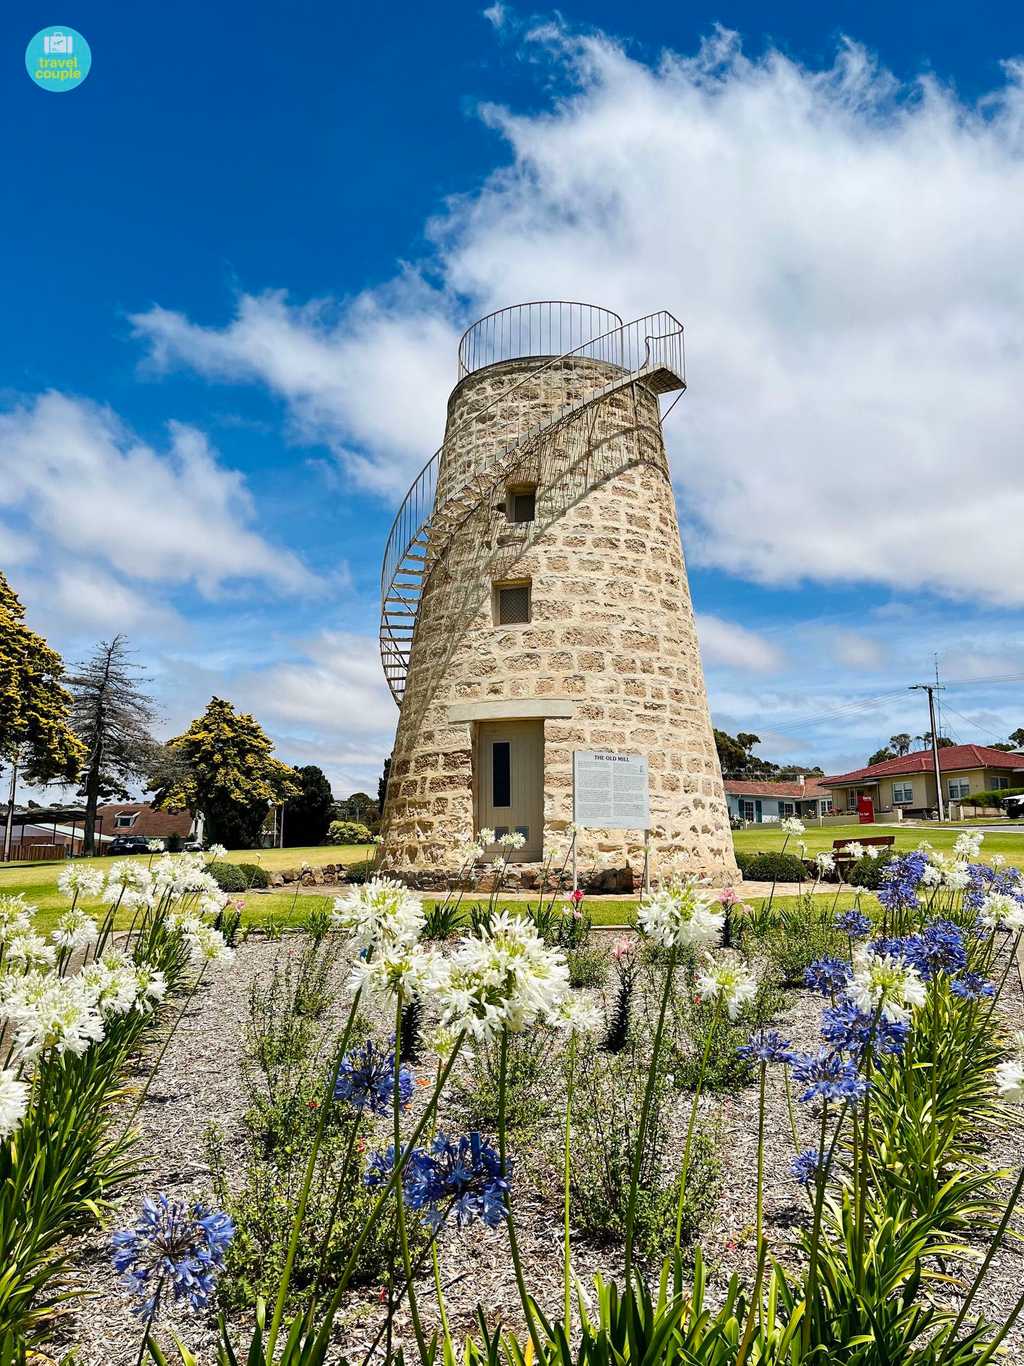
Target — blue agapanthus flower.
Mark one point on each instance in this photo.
(984, 879)
(971, 986)
(459, 1176)
(938, 948)
(807, 1167)
(900, 880)
(366, 1080)
(827, 1076)
(830, 976)
(766, 1045)
(172, 1247)
(850, 1030)
(853, 923)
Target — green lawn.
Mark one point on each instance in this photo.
(757, 838)
(38, 881)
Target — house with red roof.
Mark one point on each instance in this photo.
(757, 803)
(907, 783)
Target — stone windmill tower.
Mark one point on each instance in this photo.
(534, 602)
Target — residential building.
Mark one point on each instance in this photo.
(907, 783)
(757, 802)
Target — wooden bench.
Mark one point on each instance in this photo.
(882, 841)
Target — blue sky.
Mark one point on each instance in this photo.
(239, 257)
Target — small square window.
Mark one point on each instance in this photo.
(958, 788)
(522, 505)
(903, 793)
(124, 820)
(513, 605)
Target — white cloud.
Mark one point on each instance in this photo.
(370, 380)
(844, 252)
(92, 489)
(337, 688)
(856, 651)
(736, 647)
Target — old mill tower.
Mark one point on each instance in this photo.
(534, 602)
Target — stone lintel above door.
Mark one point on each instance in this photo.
(511, 709)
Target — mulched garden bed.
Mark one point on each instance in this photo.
(200, 1081)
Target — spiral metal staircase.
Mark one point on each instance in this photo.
(648, 351)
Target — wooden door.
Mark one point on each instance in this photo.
(510, 783)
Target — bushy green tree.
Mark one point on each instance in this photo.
(880, 756)
(35, 709)
(359, 807)
(229, 773)
(308, 814)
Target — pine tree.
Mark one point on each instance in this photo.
(229, 773)
(308, 814)
(35, 731)
(112, 716)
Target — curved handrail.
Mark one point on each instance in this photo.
(410, 526)
(544, 327)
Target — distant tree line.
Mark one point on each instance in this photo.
(735, 754)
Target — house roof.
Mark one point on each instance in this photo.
(740, 787)
(951, 759)
(149, 822)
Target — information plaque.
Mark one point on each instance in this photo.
(610, 791)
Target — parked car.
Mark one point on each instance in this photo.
(128, 844)
(1014, 807)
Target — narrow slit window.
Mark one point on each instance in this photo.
(501, 773)
(513, 604)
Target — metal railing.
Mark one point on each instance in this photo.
(649, 348)
(549, 327)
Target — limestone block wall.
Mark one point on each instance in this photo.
(611, 639)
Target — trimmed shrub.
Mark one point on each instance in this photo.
(348, 832)
(744, 858)
(228, 876)
(867, 872)
(775, 867)
(255, 875)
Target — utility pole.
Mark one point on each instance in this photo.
(931, 689)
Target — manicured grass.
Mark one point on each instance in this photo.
(38, 881)
(758, 838)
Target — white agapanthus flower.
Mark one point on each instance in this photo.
(487, 835)
(51, 1014)
(998, 860)
(931, 875)
(29, 950)
(957, 879)
(792, 826)
(872, 850)
(207, 945)
(882, 981)
(75, 930)
(513, 840)
(15, 917)
(215, 852)
(681, 915)
(855, 849)
(578, 1016)
(1010, 1079)
(155, 846)
(109, 984)
(150, 985)
(77, 880)
(729, 982)
(825, 862)
(505, 977)
(440, 1041)
(380, 912)
(14, 1095)
(398, 972)
(126, 874)
(999, 911)
(469, 851)
(968, 844)
(14, 1099)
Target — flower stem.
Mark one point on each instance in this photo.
(513, 1241)
(403, 1235)
(307, 1181)
(692, 1125)
(645, 1113)
(568, 1150)
(140, 1100)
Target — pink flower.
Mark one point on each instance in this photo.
(727, 896)
(620, 948)
(577, 896)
